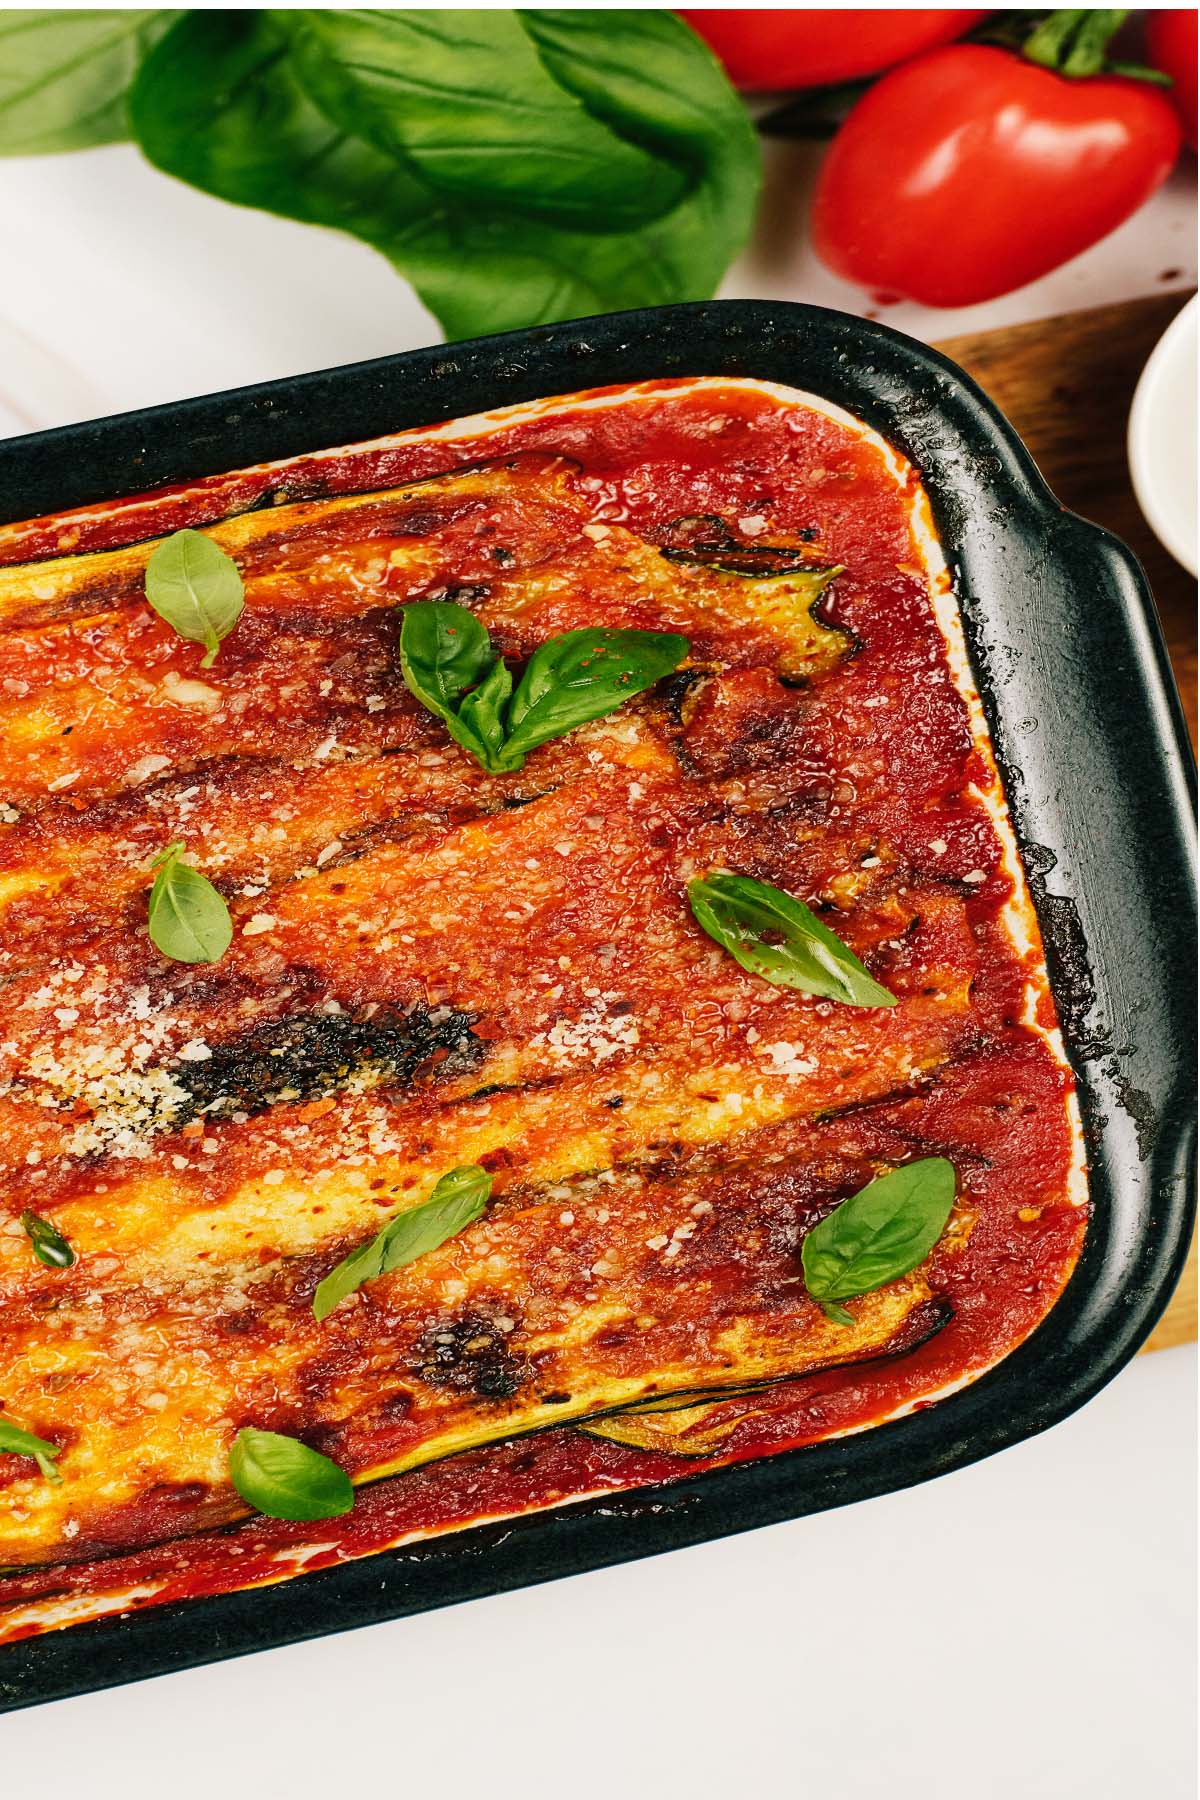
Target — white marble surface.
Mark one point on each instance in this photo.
(1023, 1627)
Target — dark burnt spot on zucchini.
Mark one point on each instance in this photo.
(471, 1353)
(303, 1056)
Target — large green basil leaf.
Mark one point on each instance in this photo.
(63, 76)
(580, 676)
(459, 1198)
(220, 103)
(878, 1234)
(772, 935)
(465, 100)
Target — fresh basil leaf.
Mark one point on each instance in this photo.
(283, 1478)
(482, 712)
(221, 102)
(188, 919)
(386, 76)
(49, 1244)
(779, 938)
(18, 1442)
(878, 1234)
(444, 650)
(580, 676)
(459, 1198)
(63, 76)
(196, 588)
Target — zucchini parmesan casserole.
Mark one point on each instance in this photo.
(518, 985)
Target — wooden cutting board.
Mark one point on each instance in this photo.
(1066, 384)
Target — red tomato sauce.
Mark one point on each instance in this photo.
(900, 725)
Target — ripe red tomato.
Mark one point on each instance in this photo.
(765, 50)
(970, 171)
(1171, 47)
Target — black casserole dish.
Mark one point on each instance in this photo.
(1087, 733)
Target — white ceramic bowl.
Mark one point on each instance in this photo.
(1162, 438)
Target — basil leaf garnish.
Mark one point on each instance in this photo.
(459, 1198)
(188, 919)
(49, 1244)
(196, 588)
(482, 714)
(444, 650)
(514, 166)
(447, 661)
(19, 1442)
(582, 675)
(283, 1478)
(779, 938)
(878, 1234)
(63, 76)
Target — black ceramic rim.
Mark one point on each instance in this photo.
(1089, 735)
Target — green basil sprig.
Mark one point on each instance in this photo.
(19, 1442)
(188, 919)
(196, 588)
(459, 1198)
(449, 665)
(49, 1244)
(878, 1234)
(516, 167)
(779, 938)
(283, 1478)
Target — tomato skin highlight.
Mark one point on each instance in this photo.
(765, 50)
(969, 172)
(1171, 45)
